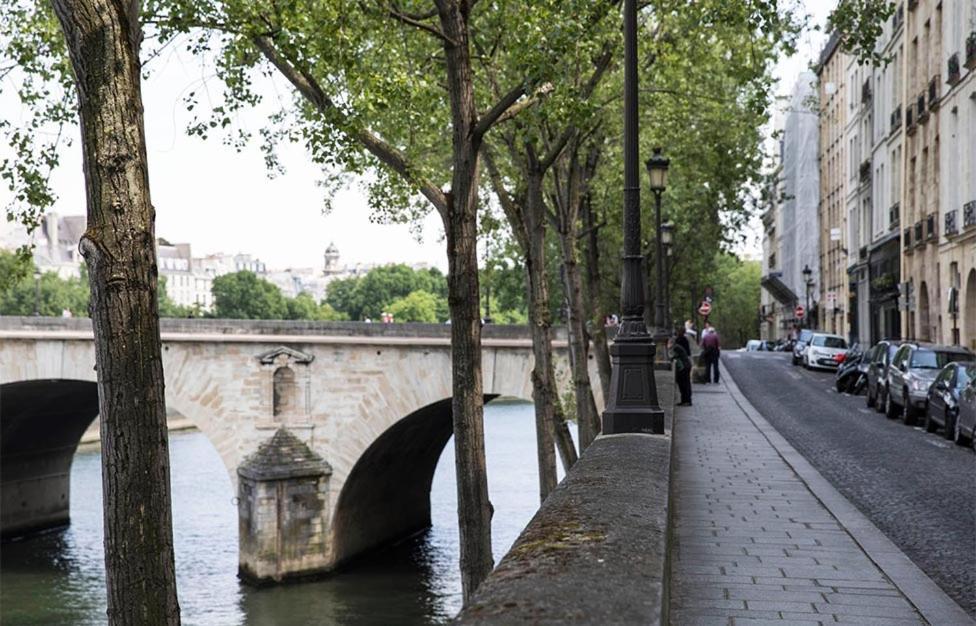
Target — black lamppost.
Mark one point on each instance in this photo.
(657, 168)
(667, 237)
(37, 291)
(809, 285)
(632, 405)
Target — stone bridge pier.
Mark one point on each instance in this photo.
(330, 431)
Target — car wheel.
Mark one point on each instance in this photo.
(949, 431)
(871, 400)
(907, 413)
(930, 424)
(891, 409)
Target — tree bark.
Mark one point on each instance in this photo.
(570, 179)
(461, 226)
(598, 314)
(103, 39)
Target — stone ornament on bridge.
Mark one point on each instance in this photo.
(283, 495)
(290, 384)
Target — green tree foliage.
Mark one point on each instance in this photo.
(417, 306)
(735, 309)
(860, 23)
(371, 295)
(304, 307)
(57, 295)
(245, 296)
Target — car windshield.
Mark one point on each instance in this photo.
(829, 342)
(933, 359)
(805, 335)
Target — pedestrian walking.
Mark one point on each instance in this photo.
(711, 351)
(681, 356)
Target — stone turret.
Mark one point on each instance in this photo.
(283, 507)
(331, 259)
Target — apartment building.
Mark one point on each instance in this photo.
(881, 319)
(835, 172)
(790, 242)
(957, 178)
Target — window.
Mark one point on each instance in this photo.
(932, 359)
(285, 391)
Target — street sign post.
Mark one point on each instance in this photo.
(799, 312)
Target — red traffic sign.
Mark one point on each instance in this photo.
(799, 311)
(704, 308)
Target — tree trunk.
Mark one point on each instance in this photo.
(598, 314)
(103, 40)
(550, 421)
(461, 226)
(579, 343)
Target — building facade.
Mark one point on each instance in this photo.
(957, 180)
(790, 242)
(835, 172)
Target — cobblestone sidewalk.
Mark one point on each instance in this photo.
(753, 544)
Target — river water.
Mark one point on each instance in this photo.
(58, 578)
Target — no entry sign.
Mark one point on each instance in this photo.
(704, 308)
(799, 312)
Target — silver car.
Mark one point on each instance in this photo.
(912, 371)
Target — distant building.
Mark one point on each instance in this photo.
(790, 221)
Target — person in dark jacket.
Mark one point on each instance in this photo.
(681, 355)
(711, 351)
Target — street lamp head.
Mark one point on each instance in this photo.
(807, 272)
(37, 272)
(667, 233)
(657, 167)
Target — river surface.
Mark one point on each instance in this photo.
(58, 578)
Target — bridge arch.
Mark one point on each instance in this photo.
(43, 421)
(386, 495)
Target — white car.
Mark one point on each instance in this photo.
(823, 349)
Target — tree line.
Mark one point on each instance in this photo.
(502, 117)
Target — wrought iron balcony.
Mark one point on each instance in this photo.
(951, 225)
(971, 51)
(865, 171)
(922, 114)
(969, 214)
(934, 92)
(953, 74)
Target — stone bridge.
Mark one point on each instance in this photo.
(331, 431)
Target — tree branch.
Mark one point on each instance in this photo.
(306, 85)
(416, 21)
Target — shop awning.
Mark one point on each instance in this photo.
(777, 288)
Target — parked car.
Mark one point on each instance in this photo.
(912, 371)
(877, 371)
(943, 397)
(800, 345)
(965, 427)
(753, 345)
(823, 349)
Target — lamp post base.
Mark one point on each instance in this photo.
(633, 404)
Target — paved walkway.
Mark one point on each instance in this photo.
(754, 545)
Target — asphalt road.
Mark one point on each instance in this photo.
(918, 488)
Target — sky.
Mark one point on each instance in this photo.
(220, 200)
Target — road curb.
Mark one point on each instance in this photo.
(928, 598)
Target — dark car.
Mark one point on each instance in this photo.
(965, 430)
(943, 398)
(877, 370)
(911, 373)
(801, 344)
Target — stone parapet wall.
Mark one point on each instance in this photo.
(597, 550)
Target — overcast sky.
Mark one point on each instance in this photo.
(219, 200)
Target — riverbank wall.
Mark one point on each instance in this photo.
(597, 551)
